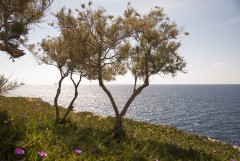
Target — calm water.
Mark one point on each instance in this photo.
(212, 110)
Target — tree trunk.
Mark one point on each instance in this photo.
(56, 101)
(137, 91)
(57, 119)
(132, 97)
(119, 131)
(70, 107)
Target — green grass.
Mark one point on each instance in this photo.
(29, 124)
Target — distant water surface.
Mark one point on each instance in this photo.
(212, 110)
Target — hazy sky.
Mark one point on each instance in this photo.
(212, 50)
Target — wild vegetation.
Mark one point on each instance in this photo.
(28, 124)
(6, 84)
(97, 46)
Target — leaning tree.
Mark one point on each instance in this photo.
(52, 51)
(151, 50)
(68, 55)
(16, 18)
(144, 45)
(75, 49)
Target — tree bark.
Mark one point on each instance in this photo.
(13, 52)
(137, 91)
(132, 97)
(57, 119)
(119, 131)
(101, 84)
(70, 107)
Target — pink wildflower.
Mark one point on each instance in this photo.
(78, 151)
(42, 154)
(19, 151)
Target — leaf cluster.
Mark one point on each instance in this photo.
(16, 18)
(154, 43)
(103, 46)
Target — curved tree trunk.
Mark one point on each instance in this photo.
(118, 130)
(63, 76)
(70, 107)
(56, 100)
(135, 93)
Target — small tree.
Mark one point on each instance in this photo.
(75, 66)
(76, 52)
(68, 60)
(16, 17)
(53, 53)
(6, 84)
(152, 50)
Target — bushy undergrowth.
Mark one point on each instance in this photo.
(6, 85)
(28, 124)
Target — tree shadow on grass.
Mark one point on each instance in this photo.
(172, 152)
(97, 144)
(79, 137)
(9, 135)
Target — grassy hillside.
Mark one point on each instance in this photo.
(28, 124)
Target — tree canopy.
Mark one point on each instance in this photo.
(143, 45)
(16, 18)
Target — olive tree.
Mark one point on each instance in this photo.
(16, 18)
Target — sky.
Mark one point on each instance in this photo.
(212, 50)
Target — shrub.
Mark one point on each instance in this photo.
(6, 84)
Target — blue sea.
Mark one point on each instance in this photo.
(211, 110)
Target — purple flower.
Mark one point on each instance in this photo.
(19, 151)
(95, 149)
(233, 160)
(214, 151)
(42, 154)
(77, 151)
